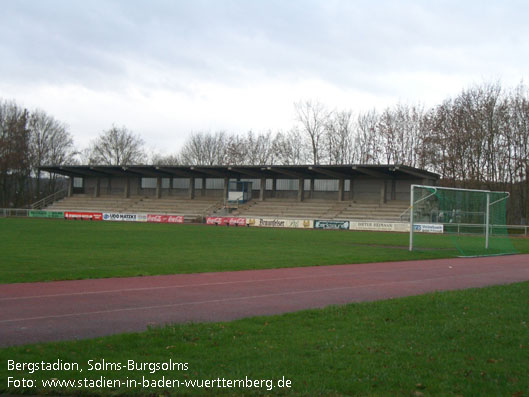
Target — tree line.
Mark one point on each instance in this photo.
(27, 141)
(476, 139)
(30, 139)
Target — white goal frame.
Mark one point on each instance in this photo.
(436, 188)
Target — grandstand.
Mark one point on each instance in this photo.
(324, 209)
(347, 192)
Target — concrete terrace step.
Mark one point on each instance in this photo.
(323, 209)
(189, 208)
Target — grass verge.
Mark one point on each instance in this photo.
(472, 342)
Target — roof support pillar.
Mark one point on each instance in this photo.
(311, 188)
(383, 191)
(203, 191)
(351, 189)
(97, 187)
(158, 187)
(126, 192)
(70, 186)
(274, 187)
(226, 181)
(191, 188)
(262, 189)
(301, 186)
(341, 184)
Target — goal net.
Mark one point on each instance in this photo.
(473, 222)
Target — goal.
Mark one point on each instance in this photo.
(473, 222)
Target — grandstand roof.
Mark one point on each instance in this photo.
(243, 171)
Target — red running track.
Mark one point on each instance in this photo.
(38, 312)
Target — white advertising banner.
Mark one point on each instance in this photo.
(428, 228)
(273, 222)
(111, 216)
(380, 226)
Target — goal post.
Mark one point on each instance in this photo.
(470, 221)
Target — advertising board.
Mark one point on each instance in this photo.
(113, 216)
(155, 218)
(272, 222)
(225, 220)
(428, 228)
(46, 214)
(328, 224)
(380, 226)
(85, 216)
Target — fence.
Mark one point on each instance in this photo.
(470, 228)
(19, 212)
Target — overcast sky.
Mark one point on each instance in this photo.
(168, 68)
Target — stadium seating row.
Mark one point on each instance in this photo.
(321, 209)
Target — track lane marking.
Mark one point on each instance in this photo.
(240, 298)
(331, 274)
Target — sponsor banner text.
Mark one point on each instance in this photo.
(165, 218)
(46, 214)
(328, 224)
(225, 220)
(85, 216)
(112, 216)
(272, 222)
(428, 228)
(380, 226)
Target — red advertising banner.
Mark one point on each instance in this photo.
(165, 218)
(225, 220)
(84, 216)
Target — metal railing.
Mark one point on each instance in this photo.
(466, 228)
(405, 216)
(19, 212)
(44, 202)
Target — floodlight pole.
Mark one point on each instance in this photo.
(487, 222)
(411, 216)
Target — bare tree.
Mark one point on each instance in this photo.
(339, 138)
(117, 146)
(259, 149)
(400, 128)
(367, 142)
(312, 116)
(50, 144)
(517, 147)
(290, 148)
(205, 148)
(171, 159)
(236, 150)
(15, 165)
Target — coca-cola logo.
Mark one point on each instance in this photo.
(219, 220)
(165, 218)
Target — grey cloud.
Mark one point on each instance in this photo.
(343, 42)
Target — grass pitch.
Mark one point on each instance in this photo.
(43, 249)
